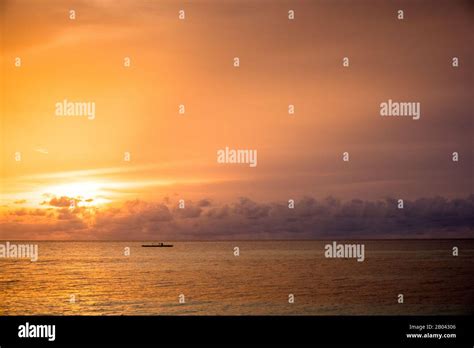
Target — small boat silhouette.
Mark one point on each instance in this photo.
(159, 245)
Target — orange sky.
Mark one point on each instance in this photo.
(190, 62)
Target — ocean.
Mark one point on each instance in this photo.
(206, 278)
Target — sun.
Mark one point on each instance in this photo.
(90, 193)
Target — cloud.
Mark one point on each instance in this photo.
(250, 210)
(134, 220)
(190, 211)
(62, 201)
(311, 218)
(41, 150)
(204, 203)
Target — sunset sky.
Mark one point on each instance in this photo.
(173, 156)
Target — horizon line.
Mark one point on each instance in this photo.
(237, 240)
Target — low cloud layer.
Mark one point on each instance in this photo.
(311, 218)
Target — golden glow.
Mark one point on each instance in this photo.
(89, 193)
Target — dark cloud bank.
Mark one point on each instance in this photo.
(310, 219)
